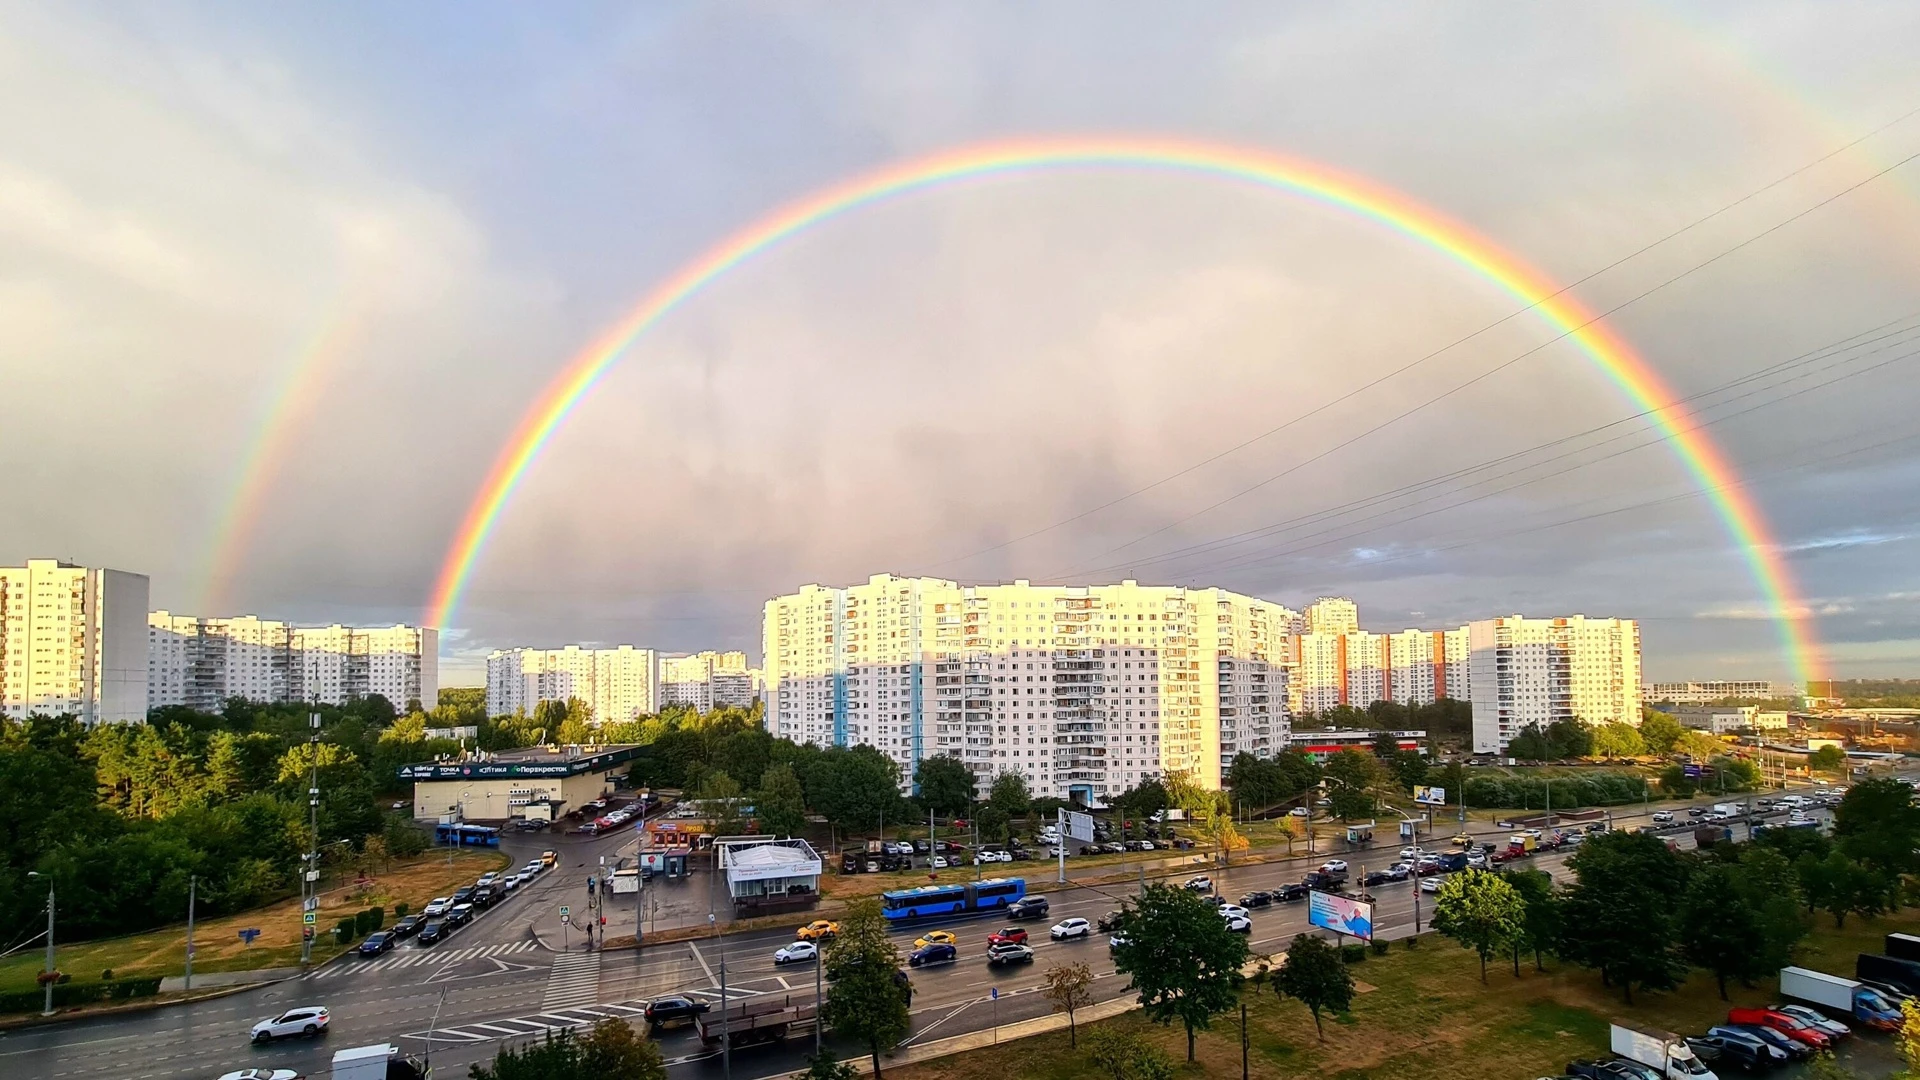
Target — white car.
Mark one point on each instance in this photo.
(1203, 883)
(438, 906)
(261, 1074)
(798, 952)
(532, 869)
(488, 878)
(1298, 811)
(1430, 884)
(1409, 854)
(940, 862)
(1240, 924)
(510, 882)
(308, 1020)
(1234, 911)
(1334, 866)
(1114, 941)
(1070, 928)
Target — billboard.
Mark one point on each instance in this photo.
(1340, 914)
(1080, 826)
(1430, 796)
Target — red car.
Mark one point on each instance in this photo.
(1012, 935)
(1791, 1026)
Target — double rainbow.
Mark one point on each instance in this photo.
(1363, 198)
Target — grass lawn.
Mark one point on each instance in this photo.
(218, 946)
(1424, 1015)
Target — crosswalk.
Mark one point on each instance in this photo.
(421, 957)
(574, 980)
(554, 1019)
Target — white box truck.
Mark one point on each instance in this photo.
(381, 1061)
(1660, 1050)
(1726, 811)
(1818, 988)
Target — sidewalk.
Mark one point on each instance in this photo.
(207, 981)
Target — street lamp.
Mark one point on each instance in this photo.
(48, 977)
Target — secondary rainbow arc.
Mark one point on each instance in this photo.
(1700, 456)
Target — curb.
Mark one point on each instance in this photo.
(13, 1023)
(974, 1040)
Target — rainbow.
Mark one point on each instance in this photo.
(1257, 168)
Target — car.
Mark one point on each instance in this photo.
(1012, 935)
(1234, 911)
(1786, 1023)
(1833, 1028)
(1535, 833)
(1792, 1047)
(377, 942)
(1398, 872)
(818, 930)
(487, 896)
(1430, 885)
(798, 952)
(1203, 883)
(1892, 993)
(437, 907)
(1663, 817)
(1325, 882)
(1240, 924)
(1696, 811)
(534, 867)
(1718, 1053)
(933, 953)
(940, 862)
(1114, 941)
(1070, 928)
(464, 893)
(1289, 893)
(1334, 866)
(1463, 839)
(261, 1074)
(408, 926)
(513, 881)
(1298, 811)
(935, 937)
(1028, 907)
(1763, 1051)
(1477, 861)
(1107, 922)
(460, 914)
(1610, 1069)
(307, 1020)
(1008, 954)
(1376, 877)
(669, 1010)
(1409, 854)
(1260, 898)
(487, 878)
(431, 933)
(549, 858)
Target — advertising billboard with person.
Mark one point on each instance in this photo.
(1340, 914)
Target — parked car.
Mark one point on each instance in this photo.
(1610, 1069)
(671, 1010)
(1012, 935)
(818, 930)
(939, 862)
(1008, 954)
(377, 942)
(1787, 1024)
(1794, 1048)
(798, 952)
(1763, 1050)
(262, 1074)
(1028, 907)
(431, 933)
(1070, 928)
(935, 953)
(1720, 1053)
(935, 937)
(307, 1020)
(1833, 1029)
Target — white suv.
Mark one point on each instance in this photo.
(1071, 928)
(308, 1020)
(440, 905)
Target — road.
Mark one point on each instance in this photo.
(500, 980)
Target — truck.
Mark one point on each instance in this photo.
(1725, 811)
(756, 1020)
(1840, 997)
(381, 1061)
(1903, 947)
(1708, 835)
(1660, 1050)
(1453, 861)
(1902, 975)
(1522, 843)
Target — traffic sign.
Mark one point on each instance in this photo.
(565, 911)
(565, 919)
(309, 917)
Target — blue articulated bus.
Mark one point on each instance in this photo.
(466, 835)
(903, 905)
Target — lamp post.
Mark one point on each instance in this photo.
(48, 976)
(193, 887)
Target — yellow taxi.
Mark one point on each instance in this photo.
(818, 930)
(548, 858)
(1463, 839)
(935, 937)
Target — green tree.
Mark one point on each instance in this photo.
(1719, 926)
(1531, 744)
(1069, 987)
(780, 803)
(1181, 957)
(865, 1003)
(1827, 759)
(1540, 920)
(1315, 976)
(1256, 783)
(1570, 738)
(1618, 740)
(1765, 877)
(1659, 731)
(1878, 824)
(854, 787)
(1009, 795)
(1840, 886)
(609, 1051)
(1620, 916)
(1350, 803)
(1676, 784)
(1480, 911)
(825, 1066)
(721, 801)
(403, 839)
(1353, 768)
(946, 785)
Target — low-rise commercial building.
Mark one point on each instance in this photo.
(497, 786)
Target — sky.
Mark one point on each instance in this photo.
(277, 283)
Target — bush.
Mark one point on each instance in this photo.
(107, 975)
(68, 994)
(368, 921)
(1592, 788)
(344, 930)
(1353, 954)
(401, 910)
(1380, 946)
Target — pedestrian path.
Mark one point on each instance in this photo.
(421, 957)
(554, 1019)
(574, 980)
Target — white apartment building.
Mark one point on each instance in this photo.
(1538, 671)
(705, 681)
(1706, 693)
(71, 642)
(1331, 615)
(1084, 691)
(1358, 667)
(201, 662)
(617, 683)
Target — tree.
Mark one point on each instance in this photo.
(946, 785)
(824, 1066)
(1878, 824)
(1620, 915)
(1570, 738)
(1841, 887)
(609, 1051)
(721, 801)
(404, 841)
(1618, 740)
(1350, 803)
(1009, 795)
(1766, 878)
(1659, 731)
(1480, 911)
(1354, 768)
(1530, 745)
(1182, 959)
(1827, 759)
(854, 787)
(1676, 784)
(1907, 1039)
(1719, 926)
(1069, 987)
(865, 1002)
(1540, 920)
(780, 803)
(1697, 746)
(1315, 976)
(1410, 768)
(1386, 745)
(1256, 782)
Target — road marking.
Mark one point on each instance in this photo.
(701, 959)
(573, 980)
(963, 1008)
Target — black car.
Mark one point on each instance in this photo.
(670, 1010)
(1720, 1053)
(1796, 1050)
(377, 942)
(1763, 1049)
(1287, 894)
(1611, 1069)
(1256, 899)
(459, 915)
(485, 897)
(431, 933)
(464, 894)
(1377, 877)
(1320, 879)
(408, 926)
(922, 847)
(1028, 907)
(936, 953)
(1107, 922)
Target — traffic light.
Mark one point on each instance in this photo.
(306, 933)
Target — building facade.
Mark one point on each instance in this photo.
(200, 662)
(617, 683)
(1539, 671)
(72, 642)
(1706, 693)
(1337, 663)
(706, 681)
(1083, 691)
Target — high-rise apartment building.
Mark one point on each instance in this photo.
(1083, 691)
(1332, 615)
(1344, 665)
(71, 642)
(200, 662)
(616, 683)
(1538, 671)
(708, 680)
(1706, 693)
